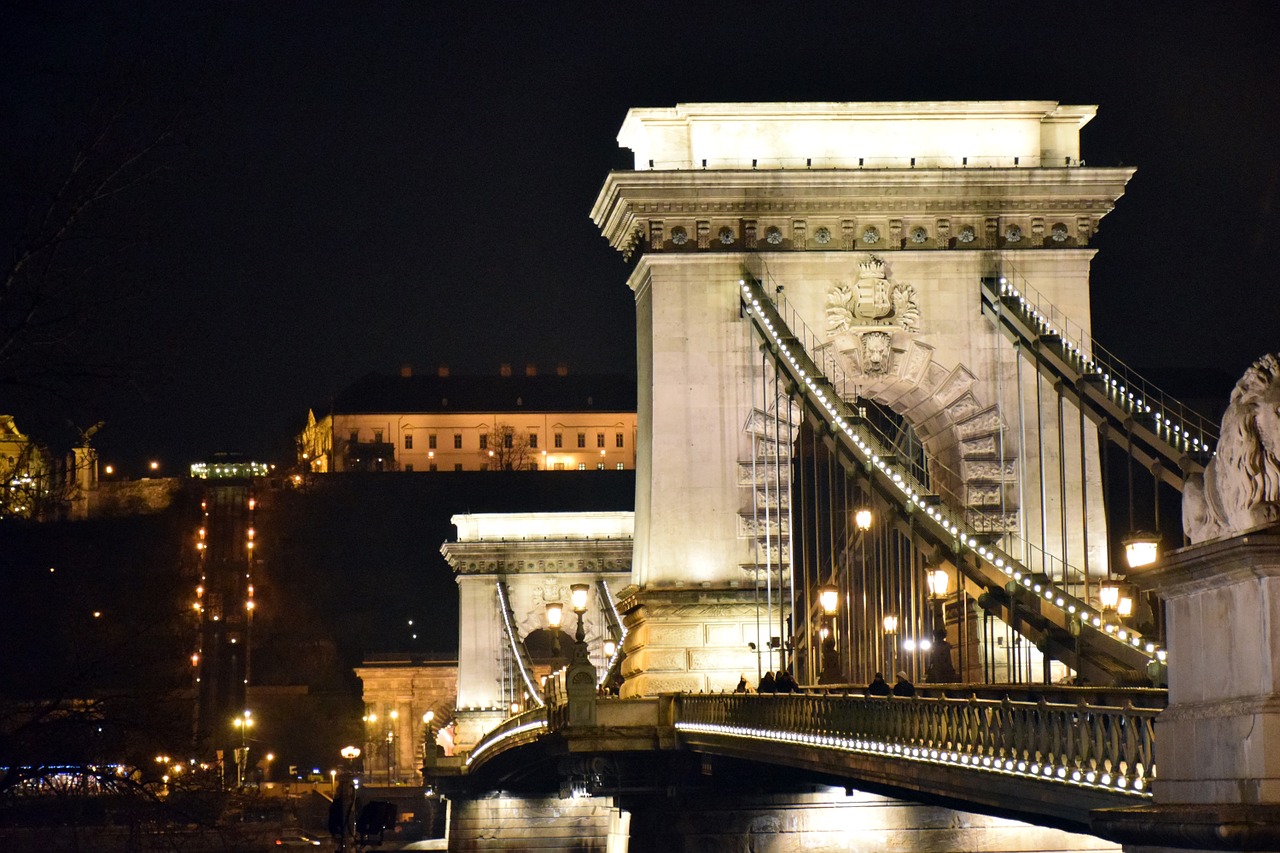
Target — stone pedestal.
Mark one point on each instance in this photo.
(691, 639)
(1218, 742)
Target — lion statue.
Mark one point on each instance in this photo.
(1240, 488)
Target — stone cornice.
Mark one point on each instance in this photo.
(538, 557)
(897, 199)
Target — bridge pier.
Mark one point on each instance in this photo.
(823, 821)
(1219, 782)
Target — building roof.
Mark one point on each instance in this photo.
(376, 393)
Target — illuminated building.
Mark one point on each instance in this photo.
(526, 421)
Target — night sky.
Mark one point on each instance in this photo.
(354, 186)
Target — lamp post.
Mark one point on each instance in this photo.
(891, 631)
(371, 741)
(391, 744)
(939, 585)
(555, 615)
(578, 595)
(829, 599)
(428, 738)
(580, 678)
(244, 722)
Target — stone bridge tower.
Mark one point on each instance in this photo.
(879, 219)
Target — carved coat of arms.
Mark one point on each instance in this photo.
(862, 317)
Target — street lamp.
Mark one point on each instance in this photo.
(244, 722)
(862, 518)
(555, 615)
(578, 595)
(428, 737)
(266, 773)
(391, 744)
(829, 598)
(1141, 549)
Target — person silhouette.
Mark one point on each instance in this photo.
(878, 686)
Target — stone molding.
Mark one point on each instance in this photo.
(531, 557)
(801, 204)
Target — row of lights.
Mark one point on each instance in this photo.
(1105, 780)
(485, 745)
(1174, 430)
(963, 537)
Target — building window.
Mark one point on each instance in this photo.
(508, 439)
(599, 439)
(484, 466)
(408, 441)
(599, 466)
(559, 466)
(355, 436)
(617, 440)
(433, 467)
(408, 469)
(431, 441)
(582, 466)
(377, 436)
(622, 466)
(457, 466)
(533, 466)
(533, 440)
(559, 440)
(582, 439)
(484, 441)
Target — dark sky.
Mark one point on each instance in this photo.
(365, 184)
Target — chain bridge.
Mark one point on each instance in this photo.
(876, 437)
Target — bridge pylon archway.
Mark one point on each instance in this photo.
(873, 224)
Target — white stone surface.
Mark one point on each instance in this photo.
(831, 134)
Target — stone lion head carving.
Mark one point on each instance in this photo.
(1240, 487)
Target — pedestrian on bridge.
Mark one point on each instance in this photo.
(742, 685)
(878, 686)
(767, 684)
(786, 682)
(903, 686)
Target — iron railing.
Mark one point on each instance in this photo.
(1098, 747)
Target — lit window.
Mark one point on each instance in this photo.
(431, 441)
(621, 466)
(617, 440)
(559, 440)
(408, 441)
(533, 440)
(582, 466)
(599, 466)
(457, 441)
(582, 439)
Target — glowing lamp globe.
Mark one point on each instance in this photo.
(829, 598)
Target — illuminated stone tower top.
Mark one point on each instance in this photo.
(939, 134)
